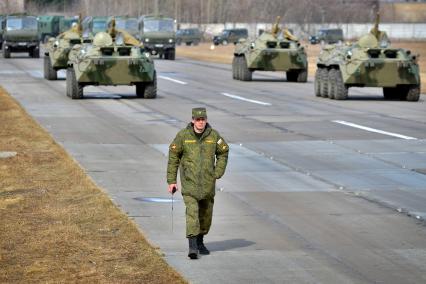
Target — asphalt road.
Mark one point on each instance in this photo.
(316, 190)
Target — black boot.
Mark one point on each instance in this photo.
(201, 247)
(193, 248)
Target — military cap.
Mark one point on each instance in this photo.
(199, 112)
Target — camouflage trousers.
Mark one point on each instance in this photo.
(199, 215)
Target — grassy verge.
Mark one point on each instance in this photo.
(56, 226)
(224, 54)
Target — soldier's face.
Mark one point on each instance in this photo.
(199, 124)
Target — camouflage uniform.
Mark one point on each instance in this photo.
(200, 161)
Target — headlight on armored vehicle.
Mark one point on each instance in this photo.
(56, 44)
(170, 40)
(349, 54)
(147, 40)
(252, 45)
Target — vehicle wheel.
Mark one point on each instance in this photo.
(332, 83)
(235, 67)
(239, 71)
(188, 43)
(317, 82)
(341, 90)
(6, 51)
(49, 72)
(246, 74)
(74, 89)
(224, 42)
(178, 42)
(36, 52)
(302, 75)
(150, 91)
(195, 42)
(390, 93)
(324, 83)
(161, 55)
(172, 54)
(412, 93)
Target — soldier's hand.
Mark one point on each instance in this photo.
(173, 188)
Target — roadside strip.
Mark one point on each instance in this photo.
(373, 130)
(246, 100)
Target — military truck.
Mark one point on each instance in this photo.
(275, 50)
(189, 36)
(48, 26)
(1, 30)
(327, 36)
(93, 25)
(115, 58)
(128, 24)
(20, 34)
(369, 62)
(57, 50)
(158, 35)
(230, 35)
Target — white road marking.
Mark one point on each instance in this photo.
(374, 130)
(173, 80)
(246, 100)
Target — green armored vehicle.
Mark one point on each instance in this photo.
(115, 58)
(158, 36)
(369, 62)
(57, 50)
(271, 51)
(20, 34)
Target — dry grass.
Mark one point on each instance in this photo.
(223, 54)
(56, 225)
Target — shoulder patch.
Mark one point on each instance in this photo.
(220, 141)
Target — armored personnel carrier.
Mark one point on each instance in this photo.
(115, 58)
(275, 50)
(369, 62)
(57, 50)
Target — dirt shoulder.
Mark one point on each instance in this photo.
(56, 224)
(224, 54)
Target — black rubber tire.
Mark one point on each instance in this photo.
(411, 93)
(188, 43)
(49, 72)
(239, 67)
(172, 54)
(36, 52)
(150, 90)
(302, 76)
(178, 42)
(74, 89)
(235, 68)
(324, 83)
(317, 82)
(246, 74)
(6, 52)
(331, 90)
(341, 92)
(291, 76)
(195, 42)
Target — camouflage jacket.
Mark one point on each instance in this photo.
(200, 161)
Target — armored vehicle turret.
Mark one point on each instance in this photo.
(115, 58)
(275, 50)
(369, 62)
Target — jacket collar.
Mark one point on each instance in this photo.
(206, 132)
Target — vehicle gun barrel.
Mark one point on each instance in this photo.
(375, 30)
(276, 27)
